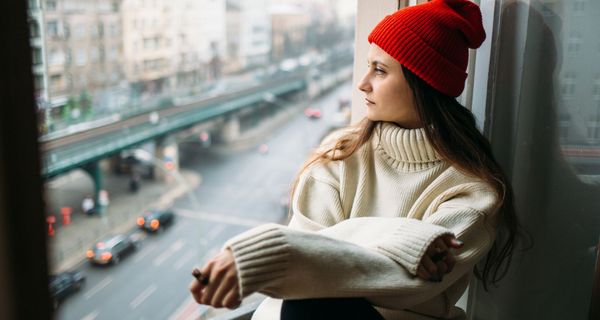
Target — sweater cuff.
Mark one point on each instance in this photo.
(408, 243)
(261, 256)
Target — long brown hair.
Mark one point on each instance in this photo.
(452, 131)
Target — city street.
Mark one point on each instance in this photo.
(240, 188)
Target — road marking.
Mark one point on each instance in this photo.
(101, 285)
(169, 252)
(183, 260)
(91, 316)
(142, 296)
(144, 252)
(220, 217)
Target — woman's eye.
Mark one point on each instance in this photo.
(379, 71)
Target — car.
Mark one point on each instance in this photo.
(156, 220)
(64, 284)
(111, 249)
(313, 113)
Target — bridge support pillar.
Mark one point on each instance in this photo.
(95, 171)
(167, 152)
(231, 130)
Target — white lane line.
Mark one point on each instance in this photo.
(91, 316)
(183, 260)
(101, 285)
(221, 218)
(169, 252)
(144, 252)
(142, 296)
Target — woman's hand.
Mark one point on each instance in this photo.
(438, 260)
(222, 287)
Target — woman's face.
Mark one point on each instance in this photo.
(388, 96)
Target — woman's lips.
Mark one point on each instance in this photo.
(369, 101)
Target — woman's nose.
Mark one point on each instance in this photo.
(364, 84)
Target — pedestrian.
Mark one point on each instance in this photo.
(87, 205)
(134, 183)
(389, 216)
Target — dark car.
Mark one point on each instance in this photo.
(64, 284)
(156, 220)
(135, 162)
(111, 249)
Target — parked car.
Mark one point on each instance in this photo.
(156, 220)
(111, 249)
(313, 113)
(64, 284)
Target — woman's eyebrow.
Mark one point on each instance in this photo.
(377, 63)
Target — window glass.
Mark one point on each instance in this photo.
(206, 108)
(544, 122)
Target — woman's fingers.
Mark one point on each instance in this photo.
(422, 273)
(452, 242)
(196, 290)
(232, 299)
(442, 269)
(429, 265)
(440, 245)
(213, 282)
(226, 285)
(222, 278)
(438, 259)
(450, 261)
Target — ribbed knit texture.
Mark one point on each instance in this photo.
(432, 40)
(361, 226)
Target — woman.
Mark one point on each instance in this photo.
(391, 216)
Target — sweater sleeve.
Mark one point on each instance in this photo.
(363, 257)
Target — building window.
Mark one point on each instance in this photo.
(34, 29)
(50, 5)
(568, 85)
(579, 6)
(79, 31)
(33, 4)
(596, 88)
(593, 130)
(68, 57)
(56, 81)
(52, 28)
(564, 122)
(39, 82)
(37, 56)
(574, 43)
(56, 57)
(81, 57)
(66, 30)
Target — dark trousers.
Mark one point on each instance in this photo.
(329, 309)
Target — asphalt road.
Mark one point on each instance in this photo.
(240, 189)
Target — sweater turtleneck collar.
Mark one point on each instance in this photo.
(405, 146)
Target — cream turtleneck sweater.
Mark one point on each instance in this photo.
(360, 227)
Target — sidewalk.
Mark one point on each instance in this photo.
(68, 245)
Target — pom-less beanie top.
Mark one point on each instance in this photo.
(432, 40)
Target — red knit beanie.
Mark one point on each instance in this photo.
(432, 41)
